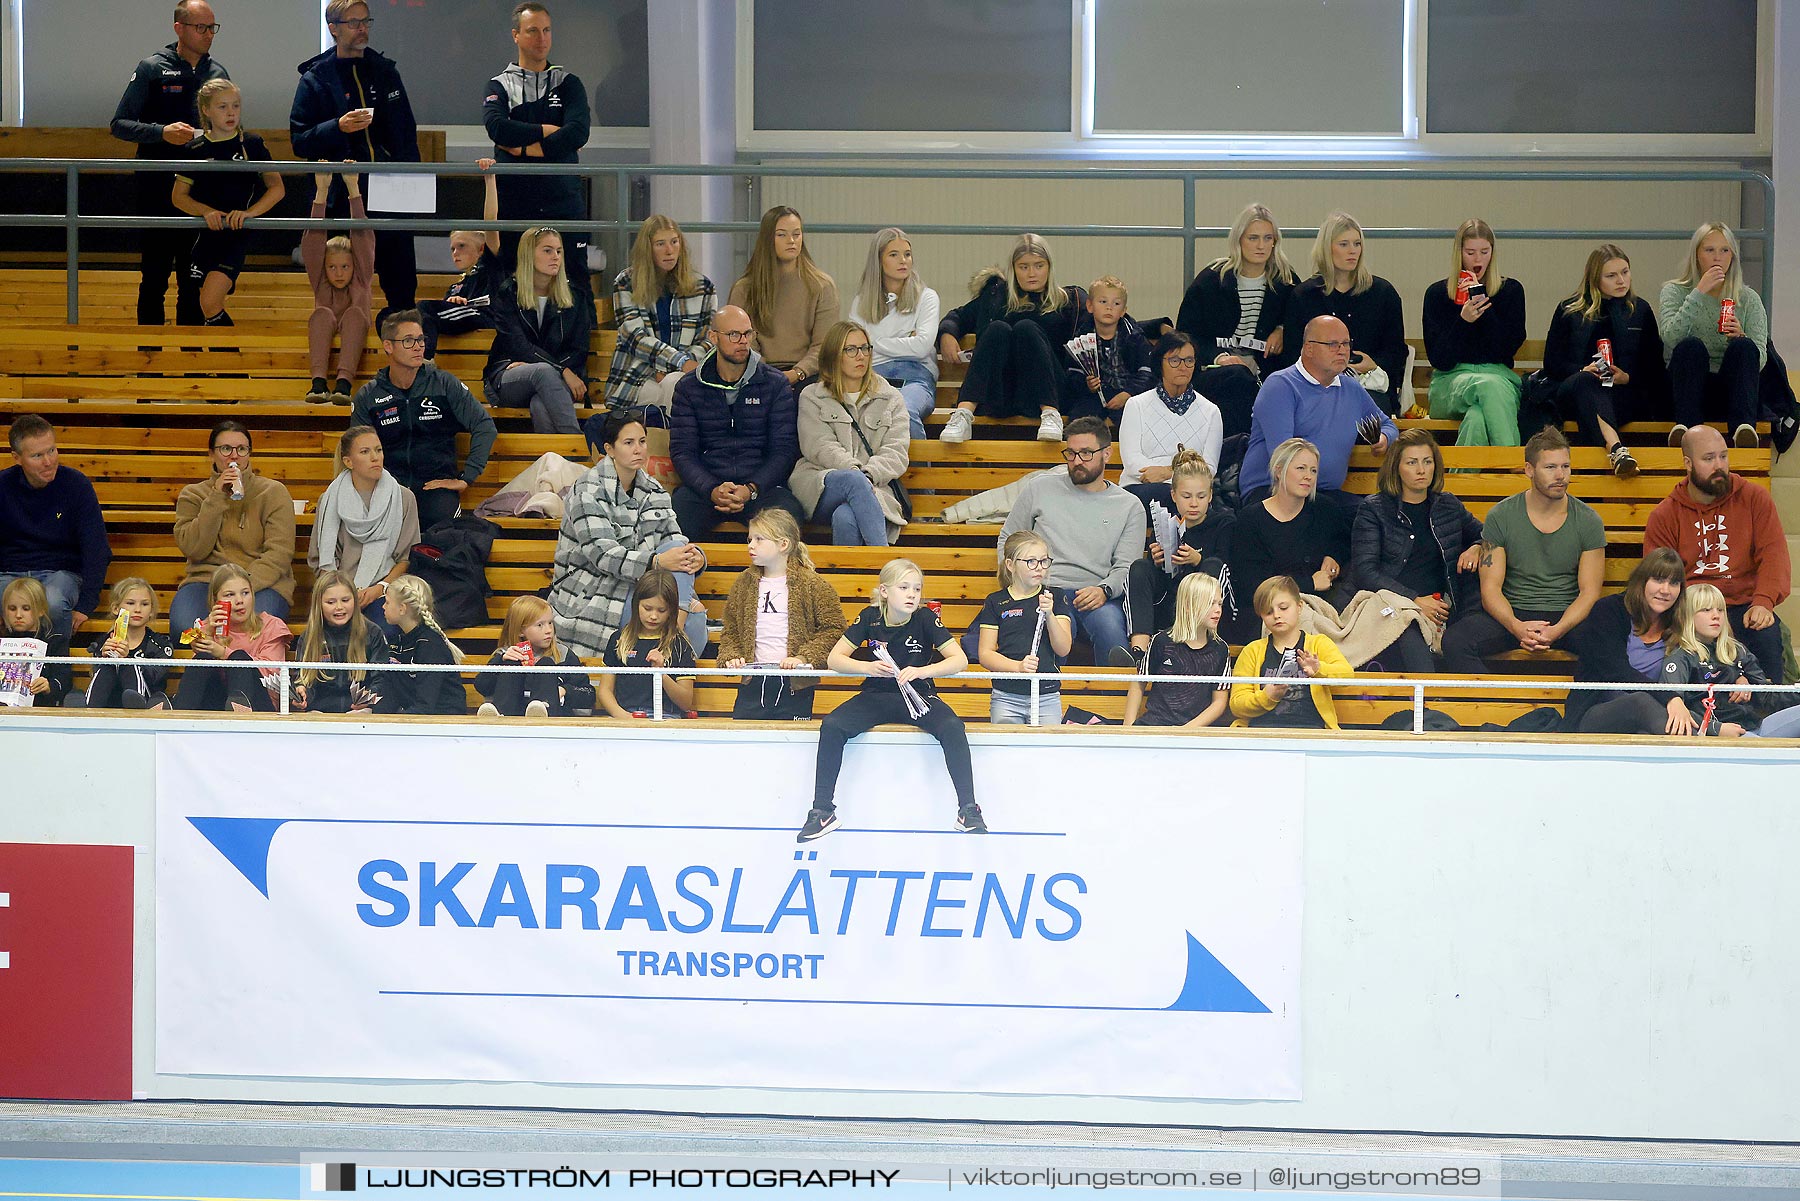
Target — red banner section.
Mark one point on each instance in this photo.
(65, 971)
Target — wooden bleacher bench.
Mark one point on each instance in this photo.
(131, 405)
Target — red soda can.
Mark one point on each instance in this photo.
(1463, 280)
(524, 649)
(936, 607)
(1727, 312)
(1604, 346)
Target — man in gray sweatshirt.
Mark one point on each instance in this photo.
(1095, 531)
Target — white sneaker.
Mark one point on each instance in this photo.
(1744, 437)
(1676, 434)
(958, 428)
(487, 710)
(537, 709)
(1050, 429)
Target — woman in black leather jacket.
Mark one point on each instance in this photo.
(1414, 538)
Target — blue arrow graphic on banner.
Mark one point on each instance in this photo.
(1211, 988)
(244, 841)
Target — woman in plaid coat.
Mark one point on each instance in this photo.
(664, 308)
(618, 525)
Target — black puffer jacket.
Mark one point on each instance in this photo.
(744, 434)
(1381, 537)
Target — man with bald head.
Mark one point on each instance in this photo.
(1726, 530)
(733, 433)
(1319, 399)
(160, 113)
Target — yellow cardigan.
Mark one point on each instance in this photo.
(1247, 699)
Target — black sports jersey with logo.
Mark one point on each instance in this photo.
(227, 191)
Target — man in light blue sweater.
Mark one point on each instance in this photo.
(1316, 399)
(1094, 529)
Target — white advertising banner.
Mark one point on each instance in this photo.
(633, 909)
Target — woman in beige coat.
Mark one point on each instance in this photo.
(854, 441)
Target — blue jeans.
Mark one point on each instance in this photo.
(61, 589)
(189, 606)
(849, 501)
(1104, 628)
(918, 388)
(692, 624)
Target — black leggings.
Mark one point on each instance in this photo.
(1626, 713)
(210, 689)
(1233, 388)
(1014, 372)
(1700, 393)
(112, 680)
(866, 710)
(1588, 402)
(1149, 597)
(515, 690)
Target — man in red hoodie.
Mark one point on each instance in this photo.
(1727, 532)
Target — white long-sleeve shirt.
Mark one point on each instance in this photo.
(904, 335)
(1149, 434)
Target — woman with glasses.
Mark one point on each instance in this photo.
(1474, 325)
(1343, 287)
(235, 516)
(1158, 423)
(351, 106)
(539, 356)
(854, 440)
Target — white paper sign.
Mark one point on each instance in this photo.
(401, 193)
(566, 910)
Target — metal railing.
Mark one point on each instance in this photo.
(281, 676)
(72, 221)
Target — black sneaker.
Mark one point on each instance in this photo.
(1129, 656)
(1623, 464)
(820, 822)
(968, 819)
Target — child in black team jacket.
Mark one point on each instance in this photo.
(130, 671)
(227, 199)
(905, 644)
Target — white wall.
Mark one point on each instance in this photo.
(79, 56)
(1548, 939)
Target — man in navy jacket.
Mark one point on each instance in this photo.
(733, 433)
(51, 528)
(351, 105)
(538, 113)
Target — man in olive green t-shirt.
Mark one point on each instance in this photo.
(1543, 562)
